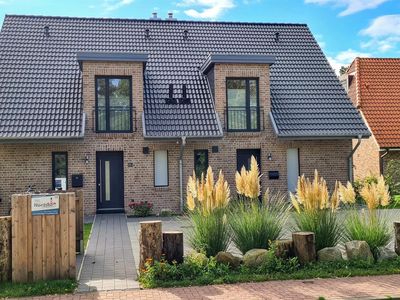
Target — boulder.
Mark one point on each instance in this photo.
(330, 254)
(385, 254)
(358, 250)
(254, 257)
(227, 258)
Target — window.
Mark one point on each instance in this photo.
(60, 170)
(161, 168)
(243, 111)
(113, 104)
(293, 168)
(200, 162)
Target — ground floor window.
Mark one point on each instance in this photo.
(161, 168)
(293, 168)
(60, 170)
(200, 162)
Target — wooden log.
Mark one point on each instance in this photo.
(397, 237)
(5, 248)
(284, 248)
(173, 246)
(304, 246)
(150, 241)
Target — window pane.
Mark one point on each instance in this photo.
(253, 92)
(101, 104)
(200, 162)
(119, 104)
(60, 171)
(254, 109)
(236, 104)
(107, 180)
(160, 168)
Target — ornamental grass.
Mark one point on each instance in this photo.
(371, 224)
(256, 223)
(316, 209)
(207, 203)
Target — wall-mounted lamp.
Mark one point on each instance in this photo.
(86, 159)
(146, 150)
(269, 156)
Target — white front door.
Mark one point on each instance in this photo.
(292, 168)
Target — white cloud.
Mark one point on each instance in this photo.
(207, 9)
(111, 5)
(351, 6)
(320, 40)
(345, 58)
(384, 33)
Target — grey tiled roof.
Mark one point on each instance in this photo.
(41, 84)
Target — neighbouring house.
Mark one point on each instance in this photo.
(127, 109)
(373, 85)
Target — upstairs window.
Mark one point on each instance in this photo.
(113, 104)
(243, 110)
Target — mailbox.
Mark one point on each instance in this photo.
(77, 180)
(272, 175)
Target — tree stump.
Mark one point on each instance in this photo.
(150, 241)
(397, 237)
(284, 248)
(5, 248)
(304, 246)
(173, 246)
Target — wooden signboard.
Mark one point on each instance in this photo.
(43, 244)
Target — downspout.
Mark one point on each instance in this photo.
(350, 159)
(183, 144)
(381, 160)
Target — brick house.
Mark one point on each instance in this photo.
(373, 86)
(126, 109)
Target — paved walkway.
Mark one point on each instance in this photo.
(376, 287)
(108, 263)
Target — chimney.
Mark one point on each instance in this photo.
(46, 30)
(154, 16)
(170, 17)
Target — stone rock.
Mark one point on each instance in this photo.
(254, 257)
(227, 258)
(386, 254)
(330, 254)
(358, 250)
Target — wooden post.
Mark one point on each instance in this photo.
(397, 237)
(304, 246)
(79, 220)
(284, 248)
(5, 248)
(173, 246)
(150, 241)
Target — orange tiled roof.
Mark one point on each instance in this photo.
(378, 95)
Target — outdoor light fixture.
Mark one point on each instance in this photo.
(269, 156)
(86, 159)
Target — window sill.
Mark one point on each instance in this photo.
(162, 188)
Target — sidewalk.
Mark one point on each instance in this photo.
(375, 287)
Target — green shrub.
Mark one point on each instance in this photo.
(325, 224)
(274, 264)
(370, 226)
(210, 233)
(255, 224)
(392, 175)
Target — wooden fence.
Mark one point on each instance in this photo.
(43, 245)
(5, 248)
(79, 221)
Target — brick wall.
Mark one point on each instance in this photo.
(30, 164)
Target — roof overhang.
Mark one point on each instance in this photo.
(213, 59)
(112, 57)
(314, 136)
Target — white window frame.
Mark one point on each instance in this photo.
(161, 172)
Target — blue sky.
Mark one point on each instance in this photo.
(344, 28)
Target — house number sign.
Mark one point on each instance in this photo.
(45, 205)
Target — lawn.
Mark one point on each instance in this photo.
(86, 233)
(52, 287)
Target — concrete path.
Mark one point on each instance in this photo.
(375, 287)
(108, 262)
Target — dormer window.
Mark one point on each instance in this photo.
(113, 104)
(243, 105)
